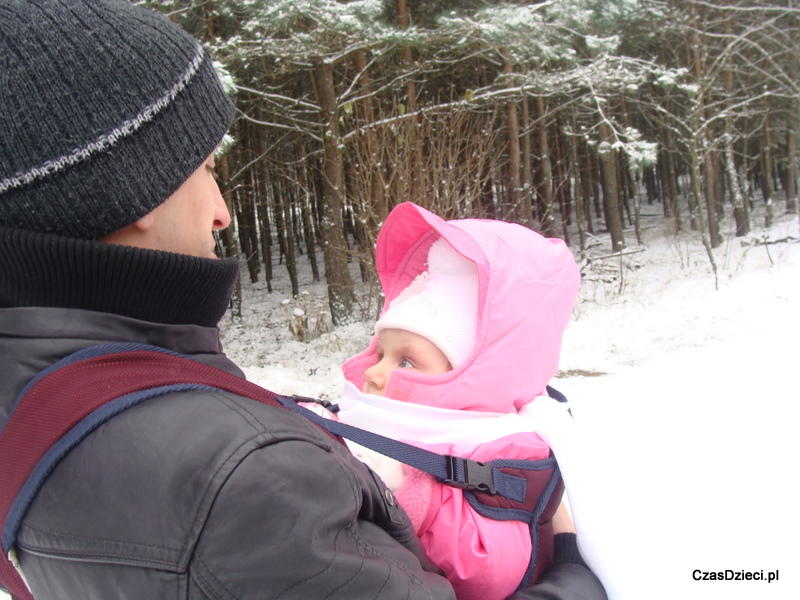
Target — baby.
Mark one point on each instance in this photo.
(469, 337)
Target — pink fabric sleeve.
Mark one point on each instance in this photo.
(484, 559)
(414, 495)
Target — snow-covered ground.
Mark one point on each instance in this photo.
(687, 394)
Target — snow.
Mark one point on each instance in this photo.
(687, 396)
(698, 405)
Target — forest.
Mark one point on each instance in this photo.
(572, 117)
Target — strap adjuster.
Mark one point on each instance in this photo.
(468, 474)
(326, 404)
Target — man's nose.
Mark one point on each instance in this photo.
(222, 217)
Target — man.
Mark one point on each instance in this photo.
(109, 119)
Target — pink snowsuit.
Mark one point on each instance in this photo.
(527, 286)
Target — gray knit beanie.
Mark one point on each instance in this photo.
(105, 110)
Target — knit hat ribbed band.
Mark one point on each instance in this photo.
(441, 304)
(105, 110)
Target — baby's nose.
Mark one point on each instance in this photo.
(375, 377)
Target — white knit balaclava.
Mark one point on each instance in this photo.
(441, 304)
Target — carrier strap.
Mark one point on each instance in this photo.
(454, 471)
(71, 398)
(503, 489)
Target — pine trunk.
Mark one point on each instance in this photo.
(578, 191)
(370, 163)
(514, 183)
(410, 188)
(337, 275)
(246, 221)
(711, 200)
(548, 219)
(226, 235)
(283, 207)
(527, 166)
(697, 192)
(740, 215)
(769, 183)
(262, 208)
(611, 203)
(562, 187)
(791, 170)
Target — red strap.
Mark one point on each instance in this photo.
(12, 580)
(61, 399)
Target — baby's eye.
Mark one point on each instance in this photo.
(406, 364)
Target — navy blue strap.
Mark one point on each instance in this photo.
(555, 394)
(454, 471)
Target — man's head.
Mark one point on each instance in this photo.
(106, 112)
(184, 222)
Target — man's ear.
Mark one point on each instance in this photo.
(145, 223)
(134, 234)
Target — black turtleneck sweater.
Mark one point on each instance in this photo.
(162, 287)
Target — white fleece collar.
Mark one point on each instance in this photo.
(426, 424)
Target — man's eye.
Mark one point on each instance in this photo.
(406, 364)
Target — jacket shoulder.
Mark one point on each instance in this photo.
(140, 486)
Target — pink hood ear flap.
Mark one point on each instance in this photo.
(403, 242)
(353, 368)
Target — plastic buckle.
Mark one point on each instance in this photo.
(477, 475)
(327, 405)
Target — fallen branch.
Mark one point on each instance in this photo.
(764, 241)
(615, 255)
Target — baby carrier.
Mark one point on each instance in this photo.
(74, 396)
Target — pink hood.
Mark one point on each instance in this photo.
(527, 286)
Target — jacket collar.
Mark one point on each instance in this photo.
(46, 270)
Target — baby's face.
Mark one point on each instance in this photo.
(400, 349)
